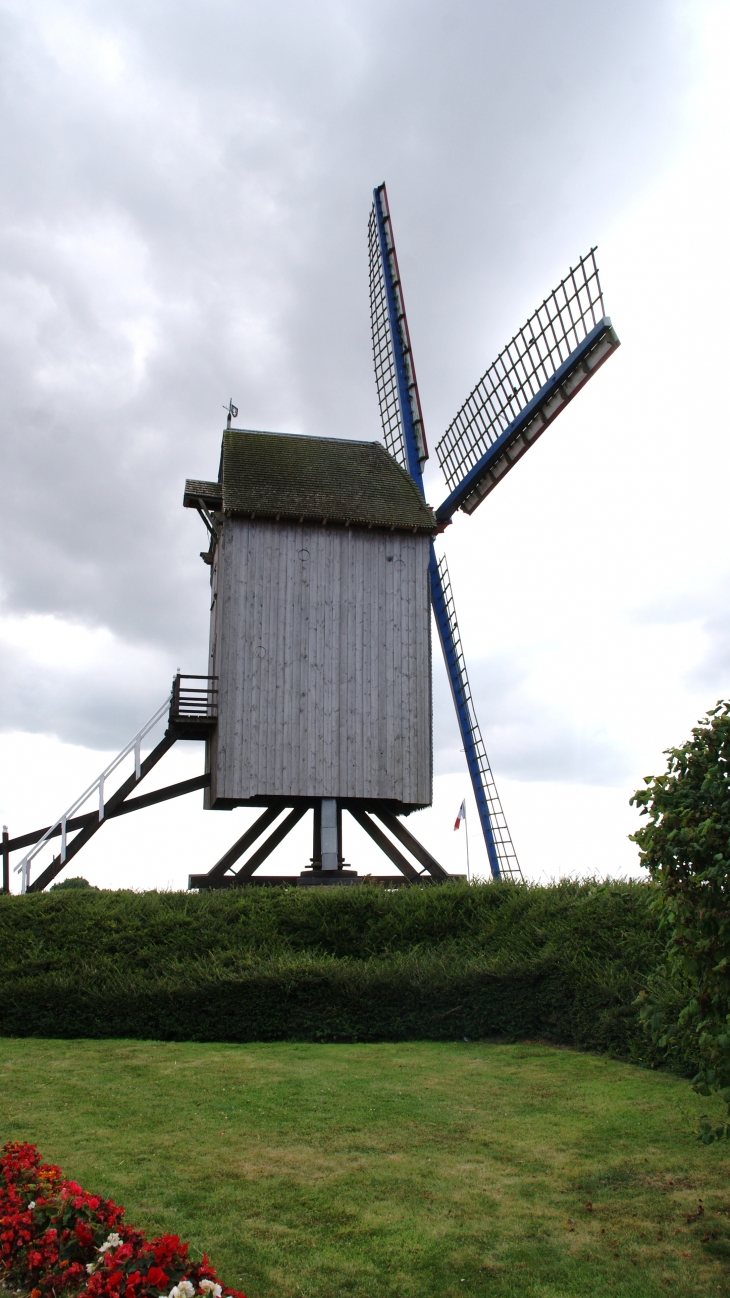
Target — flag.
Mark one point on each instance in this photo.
(460, 815)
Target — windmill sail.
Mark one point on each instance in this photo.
(503, 861)
(395, 375)
(549, 359)
(400, 413)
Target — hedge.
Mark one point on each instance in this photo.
(563, 963)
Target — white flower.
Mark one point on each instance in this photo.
(183, 1290)
(91, 1267)
(210, 1287)
(111, 1241)
(31, 1205)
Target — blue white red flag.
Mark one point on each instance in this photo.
(461, 814)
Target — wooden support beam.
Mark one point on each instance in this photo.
(384, 843)
(163, 795)
(253, 832)
(110, 807)
(270, 843)
(131, 804)
(416, 849)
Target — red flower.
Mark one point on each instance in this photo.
(157, 1277)
(30, 1253)
(84, 1235)
(167, 1247)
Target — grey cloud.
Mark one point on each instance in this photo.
(186, 191)
(712, 674)
(99, 707)
(704, 604)
(525, 738)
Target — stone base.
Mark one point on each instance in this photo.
(327, 878)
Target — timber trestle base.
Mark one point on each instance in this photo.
(327, 866)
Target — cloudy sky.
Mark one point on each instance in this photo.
(183, 220)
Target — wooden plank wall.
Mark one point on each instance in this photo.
(321, 639)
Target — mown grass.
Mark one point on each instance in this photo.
(410, 1169)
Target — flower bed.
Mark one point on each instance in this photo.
(58, 1241)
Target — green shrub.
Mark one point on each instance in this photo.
(685, 845)
(75, 881)
(564, 963)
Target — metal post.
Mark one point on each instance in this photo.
(330, 837)
(6, 860)
(317, 834)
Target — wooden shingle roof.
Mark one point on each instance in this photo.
(312, 479)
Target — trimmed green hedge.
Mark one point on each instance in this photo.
(564, 963)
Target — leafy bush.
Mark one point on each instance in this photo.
(686, 847)
(58, 1241)
(563, 963)
(75, 881)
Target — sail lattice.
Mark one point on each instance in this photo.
(522, 368)
(383, 358)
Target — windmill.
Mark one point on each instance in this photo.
(317, 697)
(534, 377)
(323, 574)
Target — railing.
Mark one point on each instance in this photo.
(135, 747)
(194, 702)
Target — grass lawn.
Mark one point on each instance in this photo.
(414, 1170)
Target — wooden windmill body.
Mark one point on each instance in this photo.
(320, 634)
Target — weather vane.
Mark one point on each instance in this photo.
(232, 412)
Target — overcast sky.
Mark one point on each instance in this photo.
(183, 220)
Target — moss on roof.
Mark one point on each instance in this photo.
(197, 489)
(318, 478)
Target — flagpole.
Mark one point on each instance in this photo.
(466, 835)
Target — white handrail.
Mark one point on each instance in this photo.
(135, 744)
